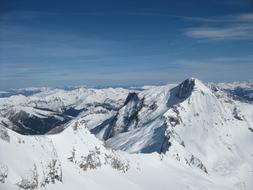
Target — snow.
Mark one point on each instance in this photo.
(142, 171)
(161, 137)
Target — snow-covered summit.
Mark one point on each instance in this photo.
(191, 129)
(189, 85)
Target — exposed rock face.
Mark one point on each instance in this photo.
(185, 88)
(4, 134)
(132, 96)
(30, 181)
(43, 112)
(32, 125)
(197, 162)
(3, 172)
(204, 131)
(127, 117)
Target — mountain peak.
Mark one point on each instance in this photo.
(187, 86)
(132, 96)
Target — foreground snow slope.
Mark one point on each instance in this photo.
(193, 137)
(76, 159)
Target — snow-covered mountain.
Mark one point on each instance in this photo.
(185, 136)
(238, 90)
(41, 112)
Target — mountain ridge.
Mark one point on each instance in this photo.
(190, 129)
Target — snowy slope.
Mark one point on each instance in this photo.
(193, 137)
(77, 159)
(42, 112)
(238, 90)
(210, 129)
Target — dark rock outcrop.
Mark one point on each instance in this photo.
(185, 88)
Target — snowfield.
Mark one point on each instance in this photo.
(186, 136)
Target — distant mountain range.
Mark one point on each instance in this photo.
(176, 136)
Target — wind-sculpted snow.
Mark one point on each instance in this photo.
(185, 136)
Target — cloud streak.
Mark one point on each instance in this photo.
(239, 27)
(20, 41)
(225, 33)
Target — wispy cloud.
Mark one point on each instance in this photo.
(238, 27)
(28, 15)
(224, 33)
(20, 41)
(245, 17)
(231, 60)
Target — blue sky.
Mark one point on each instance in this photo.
(121, 43)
